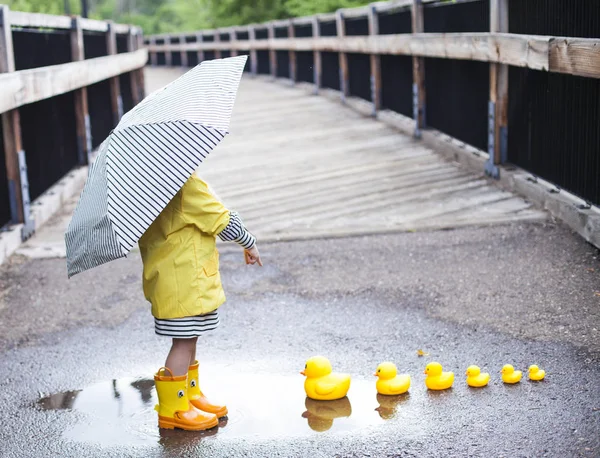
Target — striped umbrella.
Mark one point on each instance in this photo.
(147, 158)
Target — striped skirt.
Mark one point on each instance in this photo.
(188, 327)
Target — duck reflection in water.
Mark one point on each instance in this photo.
(321, 414)
(388, 404)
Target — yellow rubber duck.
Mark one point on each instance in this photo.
(320, 383)
(389, 382)
(475, 378)
(510, 375)
(535, 373)
(436, 379)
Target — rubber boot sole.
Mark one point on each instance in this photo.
(171, 423)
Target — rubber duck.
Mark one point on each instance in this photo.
(436, 379)
(389, 383)
(510, 375)
(321, 384)
(321, 414)
(475, 378)
(535, 373)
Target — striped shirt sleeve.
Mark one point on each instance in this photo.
(235, 231)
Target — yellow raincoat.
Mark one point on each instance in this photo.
(181, 262)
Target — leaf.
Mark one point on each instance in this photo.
(421, 353)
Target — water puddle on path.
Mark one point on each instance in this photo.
(121, 412)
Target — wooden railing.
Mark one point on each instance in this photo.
(21, 87)
(573, 56)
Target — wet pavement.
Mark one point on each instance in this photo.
(78, 356)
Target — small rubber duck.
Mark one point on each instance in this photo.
(321, 384)
(436, 379)
(510, 375)
(535, 373)
(475, 378)
(389, 383)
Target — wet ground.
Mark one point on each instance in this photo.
(78, 356)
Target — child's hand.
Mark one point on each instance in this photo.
(252, 256)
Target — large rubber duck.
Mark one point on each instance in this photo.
(535, 373)
(437, 379)
(389, 383)
(321, 384)
(475, 378)
(510, 375)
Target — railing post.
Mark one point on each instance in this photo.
(498, 104)
(134, 76)
(141, 79)
(375, 62)
(153, 54)
(200, 53)
(168, 52)
(341, 33)
(316, 33)
(292, 53)
(184, 59)
(16, 166)
(217, 40)
(82, 116)
(115, 87)
(418, 72)
(272, 52)
(253, 55)
(233, 41)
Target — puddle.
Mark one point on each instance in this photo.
(121, 412)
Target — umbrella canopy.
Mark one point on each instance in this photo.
(146, 160)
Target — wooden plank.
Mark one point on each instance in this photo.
(168, 53)
(512, 49)
(135, 75)
(200, 55)
(392, 6)
(360, 11)
(153, 54)
(82, 117)
(343, 58)
(141, 79)
(575, 56)
(318, 65)
(272, 52)
(93, 25)
(11, 126)
(122, 29)
(498, 126)
(375, 61)
(184, 57)
(116, 101)
(38, 20)
(419, 94)
(253, 55)
(217, 38)
(291, 35)
(28, 86)
(233, 42)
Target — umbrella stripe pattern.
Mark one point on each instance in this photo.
(146, 160)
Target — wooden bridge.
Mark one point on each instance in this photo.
(403, 136)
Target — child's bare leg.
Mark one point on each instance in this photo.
(193, 356)
(182, 352)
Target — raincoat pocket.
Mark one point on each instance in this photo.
(211, 267)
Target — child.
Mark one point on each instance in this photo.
(182, 282)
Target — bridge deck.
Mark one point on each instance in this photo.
(298, 166)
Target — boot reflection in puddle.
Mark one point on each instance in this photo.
(320, 414)
(388, 404)
(145, 387)
(176, 439)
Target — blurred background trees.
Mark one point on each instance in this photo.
(162, 16)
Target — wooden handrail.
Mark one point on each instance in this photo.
(29, 86)
(39, 20)
(576, 56)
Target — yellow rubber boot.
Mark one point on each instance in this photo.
(174, 408)
(198, 399)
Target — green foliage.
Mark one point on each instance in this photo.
(164, 16)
